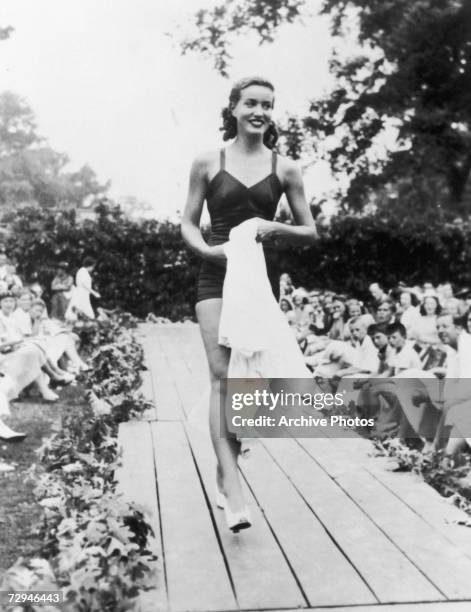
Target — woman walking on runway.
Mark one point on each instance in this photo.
(241, 181)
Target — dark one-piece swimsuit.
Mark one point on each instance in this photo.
(230, 202)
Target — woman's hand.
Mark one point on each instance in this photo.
(265, 230)
(215, 254)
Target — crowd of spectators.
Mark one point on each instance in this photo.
(36, 347)
(403, 356)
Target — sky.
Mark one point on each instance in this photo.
(109, 87)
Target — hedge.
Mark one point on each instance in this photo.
(355, 251)
(144, 266)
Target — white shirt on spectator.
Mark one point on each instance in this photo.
(9, 331)
(22, 321)
(365, 355)
(404, 359)
(459, 361)
(410, 318)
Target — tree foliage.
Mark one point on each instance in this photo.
(216, 26)
(412, 73)
(30, 170)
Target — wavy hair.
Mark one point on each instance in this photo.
(229, 122)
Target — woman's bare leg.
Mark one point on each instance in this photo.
(226, 448)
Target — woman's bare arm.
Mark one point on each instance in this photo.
(190, 225)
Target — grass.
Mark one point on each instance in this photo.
(19, 512)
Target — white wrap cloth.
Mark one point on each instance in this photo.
(252, 324)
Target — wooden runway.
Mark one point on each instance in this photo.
(333, 529)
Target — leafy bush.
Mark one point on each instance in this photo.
(95, 546)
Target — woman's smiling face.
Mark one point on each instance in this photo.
(254, 109)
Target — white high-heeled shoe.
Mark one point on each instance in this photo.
(48, 395)
(237, 520)
(9, 435)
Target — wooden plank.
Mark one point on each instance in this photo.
(444, 606)
(411, 488)
(197, 578)
(442, 562)
(136, 481)
(167, 400)
(173, 340)
(426, 502)
(313, 555)
(386, 570)
(261, 575)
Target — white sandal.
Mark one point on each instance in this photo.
(237, 520)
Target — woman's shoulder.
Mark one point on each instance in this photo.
(203, 162)
(288, 169)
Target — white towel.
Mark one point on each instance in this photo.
(252, 324)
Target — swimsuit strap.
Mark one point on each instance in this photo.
(222, 159)
(273, 162)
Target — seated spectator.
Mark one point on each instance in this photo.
(385, 312)
(457, 393)
(337, 327)
(409, 312)
(355, 309)
(426, 331)
(314, 299)
(9, 331)
(378, 295)
(56, 341)
(379, 335)
(376, 398)
(349, 358)
(327, 300)
(323, 329)
(467, 320)
(21, 316)
(61, 288)
(286, 285)
(21, 362)
(320, 322)
(301, 313)
(3, 265)
(403, 356)
(12, 280)
(12, 337)
(36, 289)
(428, 289)
(285, 305)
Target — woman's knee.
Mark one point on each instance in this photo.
(218, 371)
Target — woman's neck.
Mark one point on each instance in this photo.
(249, 145)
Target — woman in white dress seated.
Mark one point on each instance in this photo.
(21, 363)
(56, 340)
